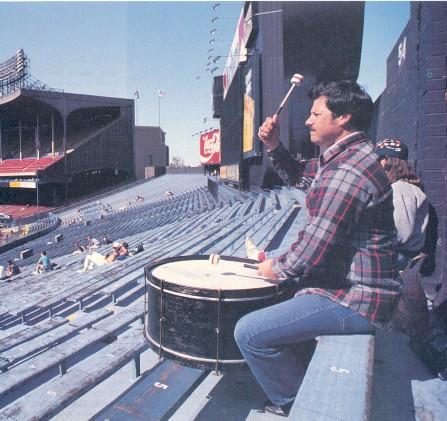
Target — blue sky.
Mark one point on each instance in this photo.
(115, 48)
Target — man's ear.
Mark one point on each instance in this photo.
(344, 119)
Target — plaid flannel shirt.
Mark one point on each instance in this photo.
(345, 250)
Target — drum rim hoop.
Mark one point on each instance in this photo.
(163, 261)
(274, 288)
(190, 357)
(204, 298)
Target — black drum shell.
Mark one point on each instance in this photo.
(195, 320)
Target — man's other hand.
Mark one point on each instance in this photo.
(269, 132)
(265, 270)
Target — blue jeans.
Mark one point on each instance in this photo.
(263, 337)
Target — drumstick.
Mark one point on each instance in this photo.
(296, 80)
(250, 266)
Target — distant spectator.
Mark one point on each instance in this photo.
(99, 260)
(43, 264)
(124, 250)
(106, 240)
(12, 269)
(92, 243)
(169, 193)
(78, 249)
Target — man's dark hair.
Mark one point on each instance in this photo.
(44, 252)
(346, 97)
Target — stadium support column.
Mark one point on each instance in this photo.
(52, 135)
(37, 139)
(37, 194)
(1, 149)
(64, 147)
(20, 140)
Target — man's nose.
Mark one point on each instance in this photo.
(308, 122)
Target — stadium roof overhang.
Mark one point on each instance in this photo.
(20, 106)
(325, 38)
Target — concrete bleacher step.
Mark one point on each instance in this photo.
(59, 354)
(114, 289)
(53, 336)
(234, 242)
(155, 396)
(131, 295)
(235, 395)
(197, 400)
(50, 398)
(338, 381)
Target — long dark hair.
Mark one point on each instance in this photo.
(399, 169)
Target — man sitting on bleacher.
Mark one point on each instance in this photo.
(92, 243)
(343, 260)
(43, 264)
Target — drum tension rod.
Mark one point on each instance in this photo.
(162, 319)
(219, 300)
(277, 292)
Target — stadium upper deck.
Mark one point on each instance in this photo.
(62, 141)
(65, 141)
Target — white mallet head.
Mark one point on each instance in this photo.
(214, 259)
(296, 80)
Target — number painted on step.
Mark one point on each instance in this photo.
(340, 370)
(161, 385)
(51, 392)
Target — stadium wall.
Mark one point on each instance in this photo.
(413, 107)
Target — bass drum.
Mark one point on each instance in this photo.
(192, 306)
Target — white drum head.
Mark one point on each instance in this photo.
(195, 273)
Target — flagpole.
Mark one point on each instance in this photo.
(137, 97)
(160, 95)
(159, 106)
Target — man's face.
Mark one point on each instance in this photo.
(325, 129)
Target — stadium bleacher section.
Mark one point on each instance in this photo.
(18, 212)
(72, 343)
(26, 166)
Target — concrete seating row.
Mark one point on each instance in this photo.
(51, 397)
(83, 286)
(117, 226)
(56, 335)
(60, 354)
(151, 190)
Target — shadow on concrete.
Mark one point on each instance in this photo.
(395, 368)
